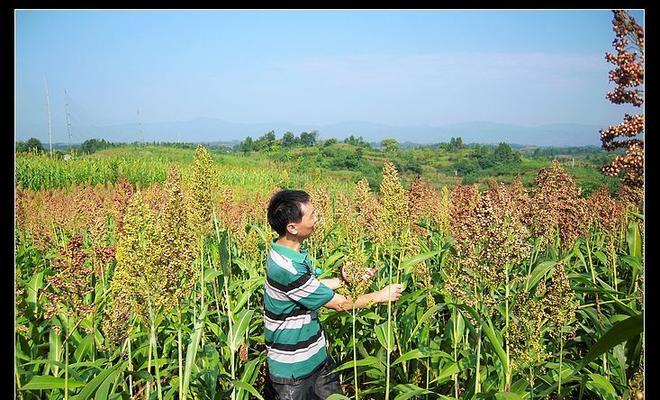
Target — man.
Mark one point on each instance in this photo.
(298, 363)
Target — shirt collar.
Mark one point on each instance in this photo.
(296, 256)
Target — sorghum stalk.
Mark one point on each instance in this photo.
(613, 255)
(153, 341)
(181, 394)
(389, 312)
(455, 328)
(130, 366)
(428, 369)
(18, 380)
(593, 274)
(593, 279)
(231, 334)
(93, 330)
(477, 384)
(355, 357)
(66, 368)
(69, 331)
(561, 350)
(531, 383)
(230, 314)
(148, 369)
(152, 338)
(398, 280)
(201, 277)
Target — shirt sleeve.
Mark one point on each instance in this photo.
(310, 292)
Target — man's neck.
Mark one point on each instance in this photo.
(289, 241)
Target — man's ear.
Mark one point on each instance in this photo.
(291, 228)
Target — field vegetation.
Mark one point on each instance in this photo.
(442, 164)
(139, 274)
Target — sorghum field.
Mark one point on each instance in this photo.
(142, 277)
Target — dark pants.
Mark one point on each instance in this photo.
(319, 385)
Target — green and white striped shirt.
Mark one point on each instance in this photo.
(293, 334)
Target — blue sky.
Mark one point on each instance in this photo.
(399, 68)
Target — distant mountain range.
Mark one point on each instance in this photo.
(206, 130)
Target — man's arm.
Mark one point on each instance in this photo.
(336, 283)
(332, 283)
(389, 293)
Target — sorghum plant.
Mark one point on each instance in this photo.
(137, 283)
(369, 215)
(425, 204)
(323, 205)
(526, 333)
(393, 202)
(557, 211)
(628, 76)
(560, 306)
(202, 191)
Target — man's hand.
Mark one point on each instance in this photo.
(390, 293)
(368, 275)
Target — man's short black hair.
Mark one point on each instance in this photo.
(284, 208)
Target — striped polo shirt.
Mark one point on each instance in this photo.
(294, 338)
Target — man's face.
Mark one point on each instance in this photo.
(305, 227)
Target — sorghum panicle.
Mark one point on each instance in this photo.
(370, 213)
(136, 284)
(560, 304)
(606, 213)
(393, 201)
(557, 207)
(202, 188)
(71, 282)
(629, 77)
(423, 204)
(525, 335)
(175, 244)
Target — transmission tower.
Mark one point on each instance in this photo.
(140, 127)
(68, 118)
(50, 127)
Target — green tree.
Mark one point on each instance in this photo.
(455, 144)
(504, 154)
(308, 139)
(466, 166)
(391, 145)
(289, 140)
(33, 145)
(93, 145)
(246, 145)
(359, 141)
(265, 142)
